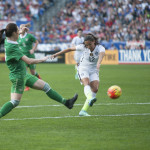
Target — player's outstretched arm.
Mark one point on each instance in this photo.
(22, 30)
(32, 60)
(27, 24)
(34, 47)
(101, 55)
(63, 52)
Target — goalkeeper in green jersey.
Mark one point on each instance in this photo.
(19, 77)
(28, 44)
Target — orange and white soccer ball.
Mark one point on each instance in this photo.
(114, 92)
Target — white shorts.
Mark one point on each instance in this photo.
(91, 74)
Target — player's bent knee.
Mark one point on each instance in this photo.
(15, 102)
(95, 90)
(46, 87)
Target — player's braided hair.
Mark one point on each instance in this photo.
(10, 28)
(91, 37)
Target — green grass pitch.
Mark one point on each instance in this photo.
(121, 124)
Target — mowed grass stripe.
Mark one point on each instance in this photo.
(61, 117)
(34, 106)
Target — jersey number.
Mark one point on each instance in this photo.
(91, 59)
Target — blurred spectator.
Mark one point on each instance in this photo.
(148, 36)
(121, 46)
(112, 47)
(23, 10)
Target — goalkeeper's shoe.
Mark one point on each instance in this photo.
(27, 88)
(39, 76)
(70, 102)
(83, 113)
(92, 101)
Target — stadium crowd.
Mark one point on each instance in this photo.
(110, 20)
(23, 10)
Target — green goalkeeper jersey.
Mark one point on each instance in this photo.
(25, 43)
(13, 56)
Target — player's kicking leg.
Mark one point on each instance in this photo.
(41, 85)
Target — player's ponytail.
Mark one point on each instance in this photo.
(10, 28)
(91, 37)
(1, 34)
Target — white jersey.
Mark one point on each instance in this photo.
(88, 60)
(76, 41)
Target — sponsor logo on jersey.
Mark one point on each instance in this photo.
(91, 54)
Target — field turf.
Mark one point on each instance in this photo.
(121, 124)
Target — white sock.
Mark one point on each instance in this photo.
(93, 94)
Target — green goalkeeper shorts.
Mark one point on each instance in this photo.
(18, 84)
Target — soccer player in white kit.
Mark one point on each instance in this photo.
(79, 39)
(88, 68)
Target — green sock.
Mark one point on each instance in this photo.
(55, 96)
(6, 108)
(86, 105)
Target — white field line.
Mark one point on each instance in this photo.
(61, 117)
(103, 104)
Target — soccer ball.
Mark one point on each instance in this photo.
(114, 92)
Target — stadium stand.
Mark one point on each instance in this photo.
(113, 21)
(22, 11)
(117, 23)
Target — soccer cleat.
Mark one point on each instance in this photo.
(92, 101)
(27, 88)
(83, 113)
(70, 102)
